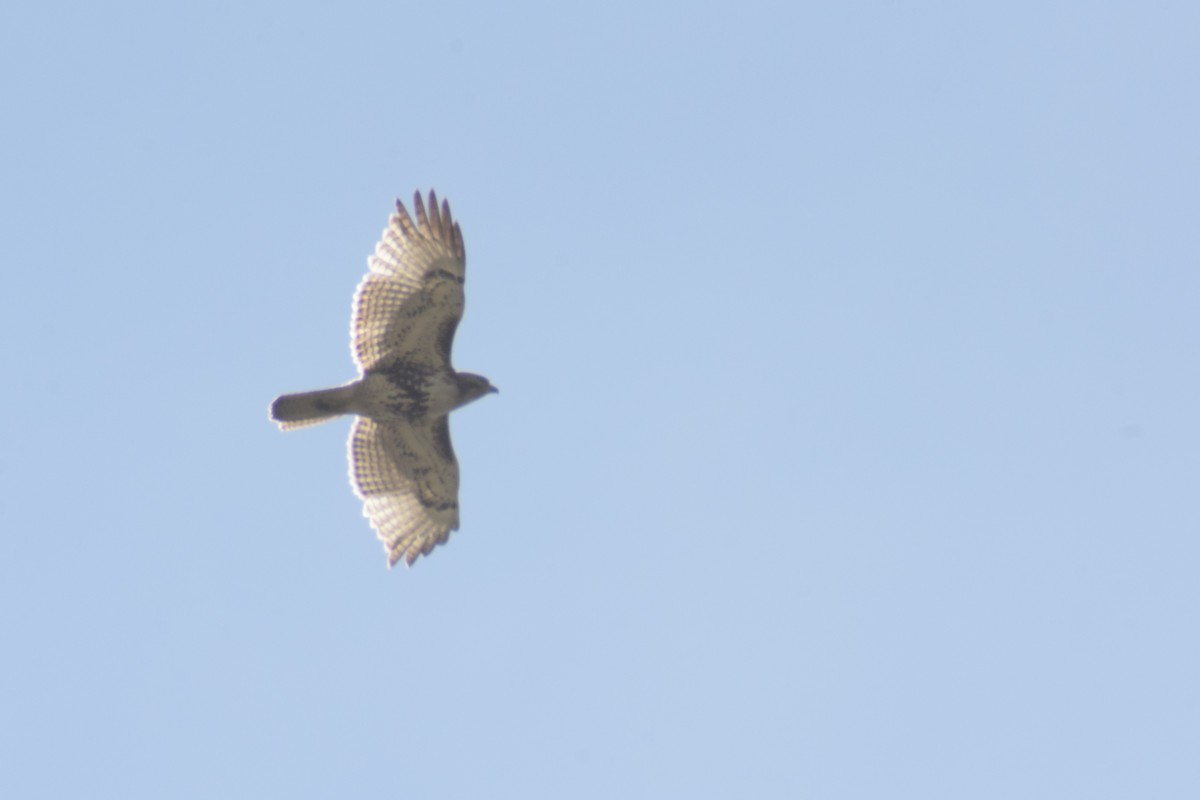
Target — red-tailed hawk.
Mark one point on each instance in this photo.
(406, 310)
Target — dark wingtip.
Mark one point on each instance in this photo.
(401, 210)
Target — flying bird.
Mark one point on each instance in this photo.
(406, 310)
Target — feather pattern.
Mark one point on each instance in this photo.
(407, 482)
(409, 303)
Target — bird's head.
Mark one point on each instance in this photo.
(472, 387)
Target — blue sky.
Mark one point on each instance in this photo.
(847, 443)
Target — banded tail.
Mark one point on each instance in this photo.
(310, 408)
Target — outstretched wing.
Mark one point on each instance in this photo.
(408, 305)
(407, 477)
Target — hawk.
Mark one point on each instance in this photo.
(406, 310)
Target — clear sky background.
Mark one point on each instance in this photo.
(847, 443)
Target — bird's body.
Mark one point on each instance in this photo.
(406, 311)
